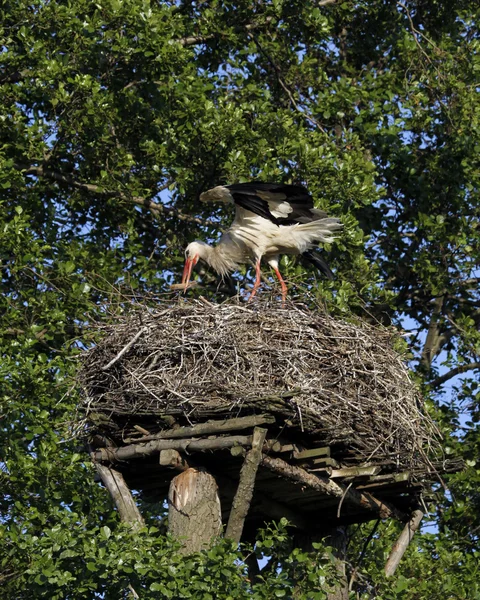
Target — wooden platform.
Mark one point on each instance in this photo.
(310, 486)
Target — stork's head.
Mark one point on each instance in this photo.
(193, 253)
(217, 194)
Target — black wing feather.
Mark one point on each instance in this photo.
(255, 205)
(246, 196)
(316, 260)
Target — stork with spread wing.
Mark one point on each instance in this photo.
(271, 219)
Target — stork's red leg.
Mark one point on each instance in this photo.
(258, 280)
(282, 284)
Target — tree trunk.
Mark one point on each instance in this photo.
(337, 539)
(194, 515)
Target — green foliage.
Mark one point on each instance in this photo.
(434, 566)
(111, 563)
(114, 116)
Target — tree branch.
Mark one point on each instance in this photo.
(154, 207)
(363, 500)
(200, 39)
(121, 495)
(452, 373)
(246, 484)
(432, 343)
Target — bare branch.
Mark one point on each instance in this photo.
(453, 372)
(121, 495)
(415, 32)
(243, 495)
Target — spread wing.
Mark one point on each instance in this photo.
(279, 203)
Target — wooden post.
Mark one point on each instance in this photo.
(401, 544)
(244, 493)
(194, 513)
(122, 496)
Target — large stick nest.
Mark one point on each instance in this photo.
(325, 380)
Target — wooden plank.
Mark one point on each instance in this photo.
(313, 453)
(246, 484)
(354, 472)
(323, 462)
(385, 480)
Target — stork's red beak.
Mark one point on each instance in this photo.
(187, 270)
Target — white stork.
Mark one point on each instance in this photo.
(271, 219)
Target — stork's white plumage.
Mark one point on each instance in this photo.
(271, 219)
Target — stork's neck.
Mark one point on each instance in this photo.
(222, 258)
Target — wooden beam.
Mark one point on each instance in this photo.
(121, 495)
(331, 488)
(246, 484)
(154, 447)
(320, 463)
(207, 428)
(402, 543)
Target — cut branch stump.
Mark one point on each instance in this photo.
(194, 513)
